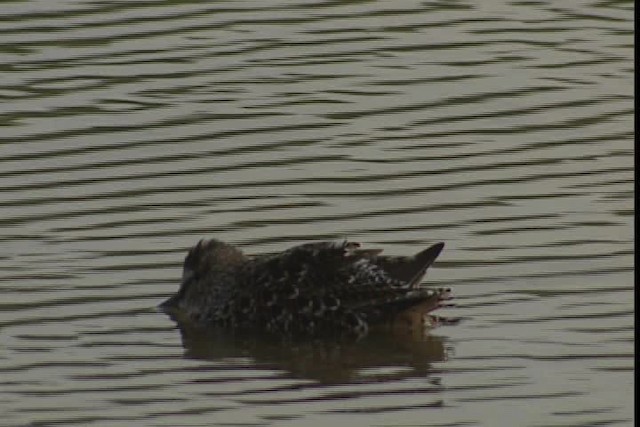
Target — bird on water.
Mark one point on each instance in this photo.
(310, 289)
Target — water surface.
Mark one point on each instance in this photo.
(130, 130)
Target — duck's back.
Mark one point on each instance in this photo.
(315, 288)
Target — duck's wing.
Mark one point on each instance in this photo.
(328, 273)
(347, 262)
(335, 285)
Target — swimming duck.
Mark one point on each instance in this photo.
(310, 289)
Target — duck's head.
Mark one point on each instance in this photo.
(207, 260)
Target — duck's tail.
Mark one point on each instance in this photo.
(411, 269)
(386, 303)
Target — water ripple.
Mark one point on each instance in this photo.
(131, 130)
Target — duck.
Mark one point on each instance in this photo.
(311, 289)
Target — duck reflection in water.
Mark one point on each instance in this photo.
(320, 310)
(384, 354)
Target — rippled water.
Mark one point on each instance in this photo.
(132, 129)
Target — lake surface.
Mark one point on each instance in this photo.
(130, 130)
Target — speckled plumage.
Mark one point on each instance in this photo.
(314, 288)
